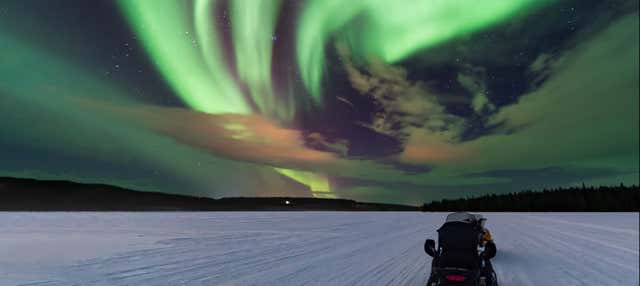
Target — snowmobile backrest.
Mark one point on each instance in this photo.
(458, 245)
(458, 235)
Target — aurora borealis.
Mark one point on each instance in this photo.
(374, 100)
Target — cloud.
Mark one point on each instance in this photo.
(541, 64)
(250, 138)
(411, 112)
(582, 84)
(423, 147)
(473, 80)
(404, 105)
(585, 114)
(320, 142)
(70, 139)
(246, 138)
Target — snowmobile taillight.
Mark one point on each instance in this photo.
(455, 278)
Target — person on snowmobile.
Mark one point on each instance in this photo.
(465, 247)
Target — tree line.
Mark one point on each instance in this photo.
(596, 199)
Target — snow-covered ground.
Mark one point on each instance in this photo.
(302, 248)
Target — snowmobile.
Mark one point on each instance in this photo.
(462, 257)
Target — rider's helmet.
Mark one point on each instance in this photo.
(466, 217)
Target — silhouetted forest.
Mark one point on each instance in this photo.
(599, 199)
(36, 195)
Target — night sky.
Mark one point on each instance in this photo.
(375, 100)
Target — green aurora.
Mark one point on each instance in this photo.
(361, 75)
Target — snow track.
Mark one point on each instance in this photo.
(303, 248)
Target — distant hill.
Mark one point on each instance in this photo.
(577, 199)
(38, 195)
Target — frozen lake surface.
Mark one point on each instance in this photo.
(302, 248)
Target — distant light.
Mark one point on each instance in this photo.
(287, 202)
